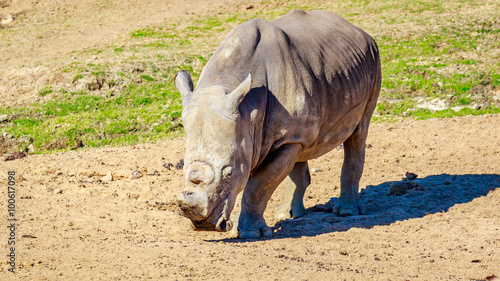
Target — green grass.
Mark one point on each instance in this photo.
(45, 91)
(443, 50)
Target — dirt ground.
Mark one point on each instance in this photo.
(75, 222)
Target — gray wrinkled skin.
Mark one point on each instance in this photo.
(274, 95)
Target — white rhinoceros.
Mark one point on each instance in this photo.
(274, 95)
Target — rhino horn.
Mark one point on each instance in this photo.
(236, 96)
(200, 172)
(184, 84)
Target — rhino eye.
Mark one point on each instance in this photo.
(227, 172)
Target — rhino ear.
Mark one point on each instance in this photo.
(236, 96)
(183, 83)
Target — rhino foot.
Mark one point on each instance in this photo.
(284, 212)
(349, 207)
(249, 230)
(255, 234)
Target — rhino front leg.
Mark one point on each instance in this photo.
(260, 187)
(349, 203)
(296, 184)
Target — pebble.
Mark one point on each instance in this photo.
(31, 148)
(180, 165)
(316, 170)
(57, 191)
(107, 177)
(136, 174)
(4, 117)
(7, 20)
(15, 155)
(411, 176)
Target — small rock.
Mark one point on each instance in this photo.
(6, 135)
(15, 155)
(107, 177)
(168, 166)
(95, 57)
(401, 188)
(72, 174)
(180, 165)
(155, 173)
(8, 19)
(411, 176)
(58, 173)
(57, 191)
(30, 148)
(136, 174)
(4, 117)
(316, 170)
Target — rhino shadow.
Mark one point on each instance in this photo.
(409, 199)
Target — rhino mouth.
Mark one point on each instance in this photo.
(218, 220)
(222, 225)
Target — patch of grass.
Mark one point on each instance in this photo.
(147, 77)
(45, 91)
(138, 114)
(421, 114)
(77, 77)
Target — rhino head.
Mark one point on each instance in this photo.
(216, 164)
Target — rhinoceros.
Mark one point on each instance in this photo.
(274, 95)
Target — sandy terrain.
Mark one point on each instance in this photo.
(74, 222)
(44, 31)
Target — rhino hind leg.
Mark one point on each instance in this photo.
(296, 184)
(349, 203)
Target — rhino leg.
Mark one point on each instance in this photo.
(349, 203)
(296, 183)
(260, 187)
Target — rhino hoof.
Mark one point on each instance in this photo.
(249, 234)
(281, 214)
(349, 208)
(255, 234)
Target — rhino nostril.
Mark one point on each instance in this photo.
(195, 181)
(195, 176)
